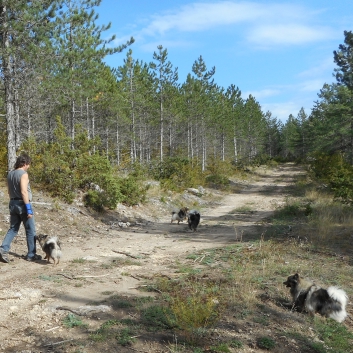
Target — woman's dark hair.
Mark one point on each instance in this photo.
(22, 160)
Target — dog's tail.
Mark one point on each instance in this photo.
(54, 245)
(340, 296)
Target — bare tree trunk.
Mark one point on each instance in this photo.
(28, 119)
(17, 120)
(223, 147)
(87, 118)
(161, 131)
(117, 150)
(235, 149)
(72, 120)
(107, 141)
(9, 94)
(93, 129)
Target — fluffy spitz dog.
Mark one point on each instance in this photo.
(179, 215)
(51, 247)
(330, 302)
(193, 219)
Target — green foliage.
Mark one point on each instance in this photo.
(334, 170)
(124, 337)
(195, 308)
(222, 348)
(104, 332)
(217, 179)
(64, 166)
(335, 335)
(158, 317)
(71, 321)
(266, 343)
(236, 344)
(132, 190)
(178, 173)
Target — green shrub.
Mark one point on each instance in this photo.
(217, 179)
(124, 337)
(178, 173)
(334, 170)
(196, 309)
(71, 321)
(222, 348)
(158, 317)
(132, 190)
(266, 343)
(92, 199)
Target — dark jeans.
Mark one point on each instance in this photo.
(18, 214)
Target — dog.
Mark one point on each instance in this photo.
(330, 302)
(193, 219)
(180, 215)
(51, 246)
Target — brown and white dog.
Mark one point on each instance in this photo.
(179, 215)
(306, 295)
(51, 246)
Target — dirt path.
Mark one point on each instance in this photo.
(100, 258)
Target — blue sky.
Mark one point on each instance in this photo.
(281, 52)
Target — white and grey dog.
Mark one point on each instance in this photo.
(330, 302)
(179, 215)
(51, 246)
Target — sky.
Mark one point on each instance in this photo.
(280, 52)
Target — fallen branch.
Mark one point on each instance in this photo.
(91, 276)
(51, 329)
(2, 298)
(56, 343)
(68, 309)
(125, 253)
(135, 277)
(64, 275)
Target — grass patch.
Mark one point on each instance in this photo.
(158, 317)
(266, 343)
(55, 279)
(242, 209)
(72, 320)
(79, 261)
(335, 335)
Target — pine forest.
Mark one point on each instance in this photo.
(84, 122)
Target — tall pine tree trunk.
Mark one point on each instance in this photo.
(161, 131)
(9, 93)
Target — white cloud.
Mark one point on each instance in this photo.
(266, 23)
(312, 85)
(268, 92)
(202, 16)
(288, 34)
(263, 24)
(320, 69)
(281, 111)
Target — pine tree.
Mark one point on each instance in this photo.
(24, 31)
(344, 75)
(79, 51)
(166, 78)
